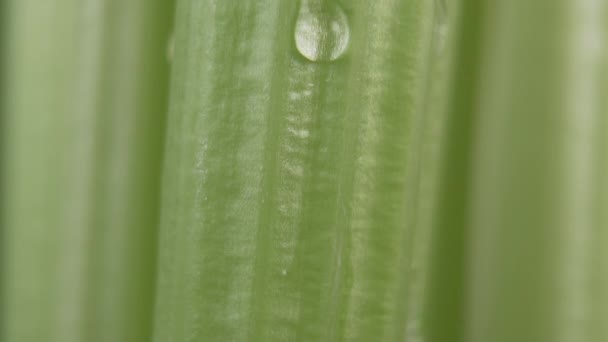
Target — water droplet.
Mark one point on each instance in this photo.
(322, 31)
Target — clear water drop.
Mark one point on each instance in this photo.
(322, 32)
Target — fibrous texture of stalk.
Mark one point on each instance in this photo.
(284, 189)
(86, 88)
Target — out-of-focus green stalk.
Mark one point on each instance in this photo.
(518, 232)
(443, 222)
(285, 188)
(536, 241)
(86, 89)
(428, 147)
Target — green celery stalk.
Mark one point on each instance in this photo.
(86, 97)
(541, 111)
(517, 232)
(440, 315)
(284, 189)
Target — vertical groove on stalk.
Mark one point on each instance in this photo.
(427, 126)
(444, 308)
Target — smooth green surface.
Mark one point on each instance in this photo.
(537, 251)
(86, 97)
(518, 228)
(285, 174)
(442, 312)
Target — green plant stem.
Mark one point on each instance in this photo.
(284, 187)
(86, 85)
(517, 226)
(541, 106)
(441, 316)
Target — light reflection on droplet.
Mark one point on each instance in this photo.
(322, 32)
